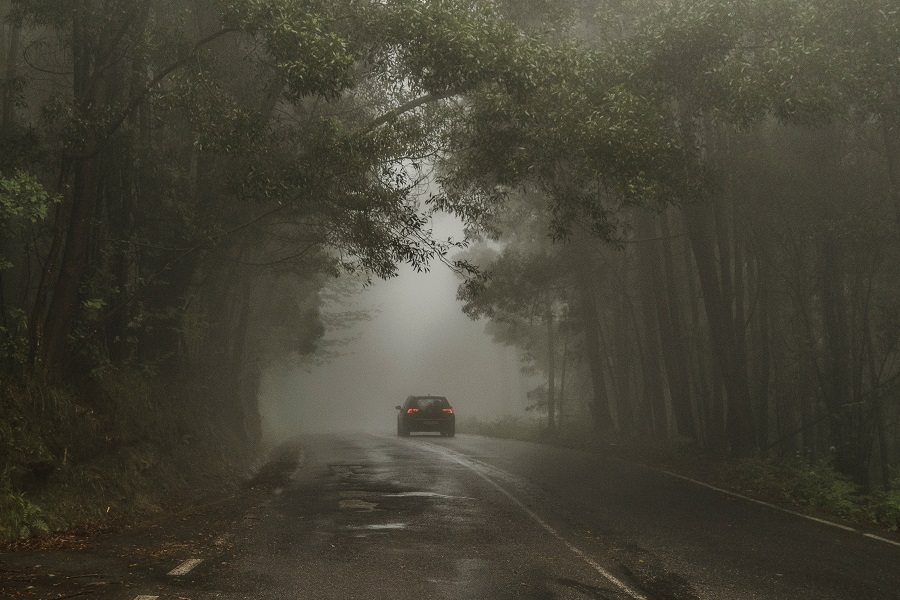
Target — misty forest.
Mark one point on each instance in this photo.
(684, 215)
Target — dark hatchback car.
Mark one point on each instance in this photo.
(426, 413)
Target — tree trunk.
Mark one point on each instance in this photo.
(648, 261)
(73, 266)
(711, 418)
(11, 72)
(561, 398)
(551, 371)
(739, 422)
(675, 346)
(599, 405)
(834, 313)
(890, 128)
(762, 353)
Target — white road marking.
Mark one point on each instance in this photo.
(426, 495)
(186, 566)
(379, 526)
(471, 465)
(767, 504)
(146, 597)
(770, 505)
(881, 539)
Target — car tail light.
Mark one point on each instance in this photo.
(411, 410)
(449, 411)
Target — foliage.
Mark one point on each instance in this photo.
(19, 517)
(822, 487)
(23, 197)
(139, 443)
(886, 508)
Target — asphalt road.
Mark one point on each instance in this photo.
(373, 517)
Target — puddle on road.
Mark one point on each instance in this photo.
(425, 495)
(379, 527)
(358, 504)
(358, 494)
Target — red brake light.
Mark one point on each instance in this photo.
(411, 410)
(448, 410)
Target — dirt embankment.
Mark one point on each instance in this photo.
(124, 447)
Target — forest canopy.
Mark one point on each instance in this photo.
(698, 202)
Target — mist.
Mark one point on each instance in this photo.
(417, 342)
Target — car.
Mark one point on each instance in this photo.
(426, 413)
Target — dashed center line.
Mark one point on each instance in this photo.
(186, 566)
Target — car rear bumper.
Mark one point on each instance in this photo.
(427, 423)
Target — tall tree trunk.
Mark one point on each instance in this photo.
(834, 313)
(73, 266)
(708, 403)
(599, 406)
(890, 128)
(878, 412)
(762, 352)
(648, 261)
(10, 59)
(52, 343)
(675, 346)
(739, 422)
(551, 370)
(561, 402)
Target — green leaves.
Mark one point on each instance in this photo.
(305, 41)
(23, 197)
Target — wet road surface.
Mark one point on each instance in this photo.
(376, 516)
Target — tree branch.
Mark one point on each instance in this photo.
(405, 108)
(139, 98)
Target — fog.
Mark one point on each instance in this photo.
(416, 342)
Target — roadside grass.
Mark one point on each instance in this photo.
(810, 486)
(127, 448)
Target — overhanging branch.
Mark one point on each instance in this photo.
(405, 108)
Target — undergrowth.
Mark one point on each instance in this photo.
(123, 447)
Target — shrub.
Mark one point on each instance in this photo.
(19, 517)
(819, 485)
(885, 507)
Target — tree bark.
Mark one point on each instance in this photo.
(675, 346)
(739, 422)
(600, 412)
(11, 50)
(551, 370)
(648, 260)
(890, 128)
(73, 266)
(762, 352)
(834, 313)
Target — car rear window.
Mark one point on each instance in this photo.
(429, 403)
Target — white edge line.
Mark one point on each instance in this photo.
(767, 504)
(881, 539)
(590, 561)
(186, 566)
(764, 503)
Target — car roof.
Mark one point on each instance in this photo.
(410, 398)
